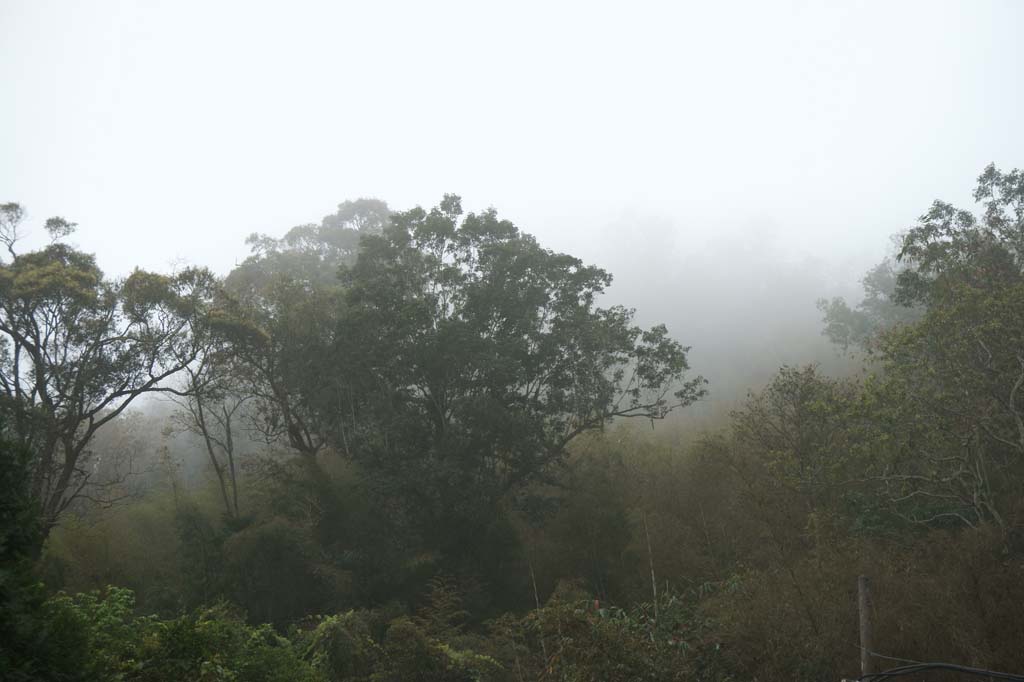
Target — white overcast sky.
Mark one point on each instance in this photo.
(170, 130)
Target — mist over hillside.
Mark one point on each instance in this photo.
(558, 341)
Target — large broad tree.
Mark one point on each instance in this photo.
(77, 348)
(452, 311)
(454, 360)
(468, 358)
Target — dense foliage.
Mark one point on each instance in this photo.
(401, 450)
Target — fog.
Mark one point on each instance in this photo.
(730, 163)
(446, 464)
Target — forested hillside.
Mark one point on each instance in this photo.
(418, 445)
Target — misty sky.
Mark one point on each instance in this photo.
(716, 156)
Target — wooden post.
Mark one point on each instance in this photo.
(864, 607)
(536, 599)
(650, 559)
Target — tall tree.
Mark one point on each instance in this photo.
(77, 348)
(954, 382)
